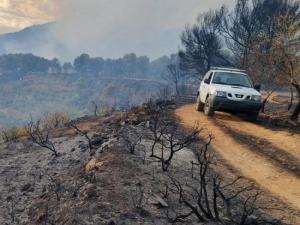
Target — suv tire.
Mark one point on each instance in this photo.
(208, 110)
(199, 104)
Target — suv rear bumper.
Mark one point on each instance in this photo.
(225, 104)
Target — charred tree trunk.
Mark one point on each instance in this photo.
(264, 102)
(266, 99)
(296, 112)
(291, 99)
(263, 106)
(177, 88)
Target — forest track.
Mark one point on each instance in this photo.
(268, 157)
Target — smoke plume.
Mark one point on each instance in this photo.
(111, 28)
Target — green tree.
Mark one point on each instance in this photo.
(81, 63)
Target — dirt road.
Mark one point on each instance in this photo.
(270, 158)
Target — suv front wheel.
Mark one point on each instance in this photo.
(199, 104)
(208, 110)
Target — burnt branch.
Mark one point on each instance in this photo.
(132, 138)
(172, 140)
(206, 198)
(41, 136)
(95, 108)
(56, 187)
(84, 134)
(138, 196)
(156, 127)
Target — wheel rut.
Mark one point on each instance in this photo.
(269, 173)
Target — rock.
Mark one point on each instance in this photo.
(9, 198)
(253, 217)
(41, 215)
(16, 146)
(147, 124)
(144, 213)
(83, 147)
(94, 164)
(27, 188)
(108, 144)
(90, 191)
(157, 200)
(111, 222)
(97, 142)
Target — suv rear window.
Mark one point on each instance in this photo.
(234, 79)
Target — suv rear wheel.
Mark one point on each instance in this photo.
(199, 104)
(208, 110)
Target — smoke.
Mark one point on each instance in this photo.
(112, 28)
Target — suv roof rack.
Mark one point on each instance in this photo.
(227, 69)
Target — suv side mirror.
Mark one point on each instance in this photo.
(257, 87)
(206, 81)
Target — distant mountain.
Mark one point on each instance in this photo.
(38, 39)
(38, 32)
(54, 40)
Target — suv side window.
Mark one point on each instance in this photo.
(207, 80)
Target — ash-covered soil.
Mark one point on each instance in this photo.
(110, 187)
(108, 184)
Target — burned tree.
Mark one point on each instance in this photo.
(138, 196)
(174, 75)
(171, 140)
(206, 197)
(202, 44)
(174, 140)
(83, 133)
(259, 34)
(56, 187)
(167, 135)
(286, 48)
(41, 136)
(157, 114)
(132, 138)
(95, 108)
(244, 26)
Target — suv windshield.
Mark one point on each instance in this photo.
(234, 79)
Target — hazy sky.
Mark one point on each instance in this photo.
(17, 14)
(84, 24)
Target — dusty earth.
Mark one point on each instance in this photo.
(113, 186)
(269, 157)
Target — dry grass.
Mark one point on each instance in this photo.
(51, 121)
(56, 120)
(12, 134)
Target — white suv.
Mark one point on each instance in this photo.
(228, 90)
